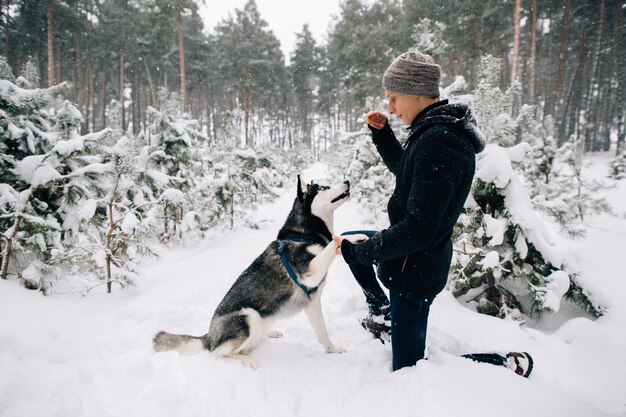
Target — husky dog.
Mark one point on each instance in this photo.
(287, 277)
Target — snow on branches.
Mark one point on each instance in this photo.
(506, 263)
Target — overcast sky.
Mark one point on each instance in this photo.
(284, 17)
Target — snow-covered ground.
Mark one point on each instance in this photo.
(68, 356)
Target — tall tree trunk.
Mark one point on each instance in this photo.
(78, 73)
(571, 108)
(51, 63)
(121, 88)
(109, 241)
(593, 93)
(247, 103)
(477, 41)
(90, 83)
(621, 78)
(89, 98)
(105, 80)
(598, 105)
(544, 92)
(8, 248)
(181, 49)
(605, 119)
(4, 28)
(123, 66)
(58, 72)
(136, 104)
(153, 99)
(516, 40)
(560, 76)
(533, 50)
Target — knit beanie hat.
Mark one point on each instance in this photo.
(413, 74)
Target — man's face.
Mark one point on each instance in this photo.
(405, 107)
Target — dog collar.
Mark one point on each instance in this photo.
(281, 251)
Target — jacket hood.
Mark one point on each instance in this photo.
(458, 115)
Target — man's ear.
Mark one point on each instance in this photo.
(302, 188)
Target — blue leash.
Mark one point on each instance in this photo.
(281, 251)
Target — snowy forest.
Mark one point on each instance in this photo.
(128, 124)
(146, 159)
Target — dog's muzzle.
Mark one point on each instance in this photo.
(346, 194)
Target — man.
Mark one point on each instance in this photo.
(434, 171)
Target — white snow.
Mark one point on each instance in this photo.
(130, 223)
(172, 196)
(557, 286)
(495, 228)
(494, 165)
(88, 209)
(491, 260)
(64, 355)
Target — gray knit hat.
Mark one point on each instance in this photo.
(413, 74)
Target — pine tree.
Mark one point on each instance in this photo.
(429, 37)
(498, 112)
(550, 172)
(305, 65)
(6, 73)
(41, 161)
(505, 263)
(30, 75)
(172, 161)
(618, 167)
(112, 225)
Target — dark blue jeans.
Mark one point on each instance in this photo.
(409, 321)
(408, 315)
(365, 276)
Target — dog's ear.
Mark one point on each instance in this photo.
(302, 188)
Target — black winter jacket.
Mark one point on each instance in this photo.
(434, 171)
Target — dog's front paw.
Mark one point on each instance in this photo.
(356, 238)
(274, 334)
(335, 349)
(249, 362)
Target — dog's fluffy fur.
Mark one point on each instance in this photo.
(265, 291)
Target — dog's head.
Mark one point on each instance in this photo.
(322, 200)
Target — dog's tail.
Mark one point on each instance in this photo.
(183, 344)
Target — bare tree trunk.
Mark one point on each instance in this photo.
(533, 50)
(4, 28)
(90, 108)
(78, 73)
(8, 248)
(621, 79)
(89, 98)
(153, 99)
(560, 77)
(136, 104)
(516, 40)
(593, 94)
(477, 40)
(181, 49)
(58, 72)
(605, 120)
(571, 107)
(595, 123)
(51, 78)
(104, 103)
(40, 61)
(123, 66)
(109, 240)
(247, 102)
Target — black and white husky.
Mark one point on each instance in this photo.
(287, 277)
